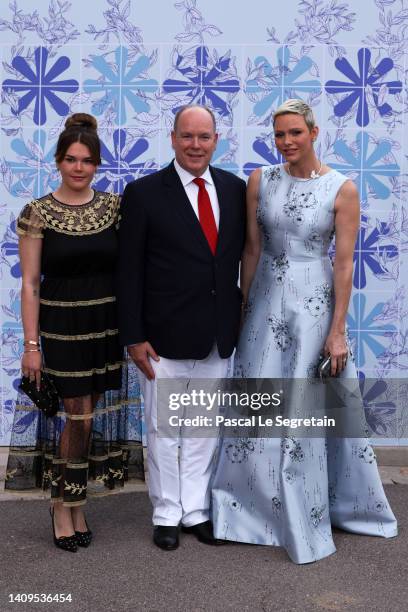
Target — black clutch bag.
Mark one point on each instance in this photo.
(46, 399)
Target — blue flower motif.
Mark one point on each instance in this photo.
(270, 155)
(363, 330)
(378, 410)
(120, 84)
(12, 337)
(13, 310)
(276, 84)
(41, 85)
(223, 156)
(367, 77)
(119, 167)
(35, 171)
(23, 424)
(9, 406)
(204, 79)
(9, 249)
(373, 251)
(364, 164)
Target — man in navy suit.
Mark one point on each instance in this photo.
(181, 238)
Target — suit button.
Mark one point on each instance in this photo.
(213, 292)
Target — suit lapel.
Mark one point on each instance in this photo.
(222, 190)
(180, 203)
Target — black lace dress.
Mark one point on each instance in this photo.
(81, 352)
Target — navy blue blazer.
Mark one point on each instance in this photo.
(171, 290)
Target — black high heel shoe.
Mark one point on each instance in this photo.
(84, 538)
(68, 543)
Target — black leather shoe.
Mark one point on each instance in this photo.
(204, 533)
(166, 538)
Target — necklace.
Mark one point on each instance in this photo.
(313, 175)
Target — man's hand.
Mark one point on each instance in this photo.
(140, 354)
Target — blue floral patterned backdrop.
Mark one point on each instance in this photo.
(132, 64)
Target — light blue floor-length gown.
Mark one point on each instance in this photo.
(290, 492)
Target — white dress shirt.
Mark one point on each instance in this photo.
(191, 190)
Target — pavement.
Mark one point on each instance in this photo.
(123, 571)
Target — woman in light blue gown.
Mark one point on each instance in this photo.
(289, 492)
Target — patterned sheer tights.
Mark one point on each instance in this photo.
(74, 449)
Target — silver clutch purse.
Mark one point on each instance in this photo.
(324, 366)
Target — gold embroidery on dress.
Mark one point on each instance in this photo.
(24, 453)
(89, 218)
(100, 457)
(77, 466)
(55, 460)
(33, 221)
(94, 336)
(108, 367)
(50, 478)
(75, 488)
(96, 302)
(27, 408)
(29, 223)
(77, 417)
(22, 232)
(61, 413)
(119, 474)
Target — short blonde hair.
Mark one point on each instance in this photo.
(296, 107)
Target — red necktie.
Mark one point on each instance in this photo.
(206, 215)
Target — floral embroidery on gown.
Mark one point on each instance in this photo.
(289, 492)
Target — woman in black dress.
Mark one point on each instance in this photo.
(69, 239)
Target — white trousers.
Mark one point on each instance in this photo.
(179, 468)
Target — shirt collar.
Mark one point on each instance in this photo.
(187, 178)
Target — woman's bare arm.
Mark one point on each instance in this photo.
(30, 260)
(347, 221)
(252, 248)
